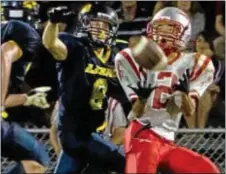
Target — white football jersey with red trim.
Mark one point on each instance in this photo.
(201, 71)
(115, 117)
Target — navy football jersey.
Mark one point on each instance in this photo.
(28, 40)
(86, 81)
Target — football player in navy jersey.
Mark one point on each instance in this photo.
(87, 77)
(19, 42)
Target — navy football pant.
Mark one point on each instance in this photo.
(96, 151)
(67, 164)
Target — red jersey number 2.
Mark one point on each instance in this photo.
(165, 81)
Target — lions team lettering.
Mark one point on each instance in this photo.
(107, 72)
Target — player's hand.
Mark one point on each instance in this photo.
(60, 14)
(183, 85)
(142, 91)
(182, 99)
(37, 97)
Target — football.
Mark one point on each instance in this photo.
(148, 54)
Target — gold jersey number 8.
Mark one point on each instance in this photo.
(98, 94)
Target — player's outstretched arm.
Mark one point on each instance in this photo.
(36, 97)
(129, 81)
(201, 77)
(195, 81)
(10, 52)
(50, 36)
(52, 43)
(13, 100)
(125, 75)
(187, 103)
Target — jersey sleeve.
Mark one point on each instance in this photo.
(201, 76)
(24, 35)
(70, 42)
(126, 75)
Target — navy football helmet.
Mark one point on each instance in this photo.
(99, 23)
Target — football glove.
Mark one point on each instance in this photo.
(37, 97)
(142, 91)
(60, 14)
(183, 85)
(183, 100)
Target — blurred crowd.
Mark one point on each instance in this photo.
(208, 37)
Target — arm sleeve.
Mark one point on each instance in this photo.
(201, 76)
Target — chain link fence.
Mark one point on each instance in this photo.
(209, 142)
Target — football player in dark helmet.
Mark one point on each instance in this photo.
(99, 24)
(87, 78)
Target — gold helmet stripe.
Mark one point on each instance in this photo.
(86, 8)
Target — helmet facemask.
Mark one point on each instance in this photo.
(167, 33)
(100, 24)
(101, 32)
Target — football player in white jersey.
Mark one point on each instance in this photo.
(163, 95)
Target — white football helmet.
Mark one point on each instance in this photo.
(178, 30)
